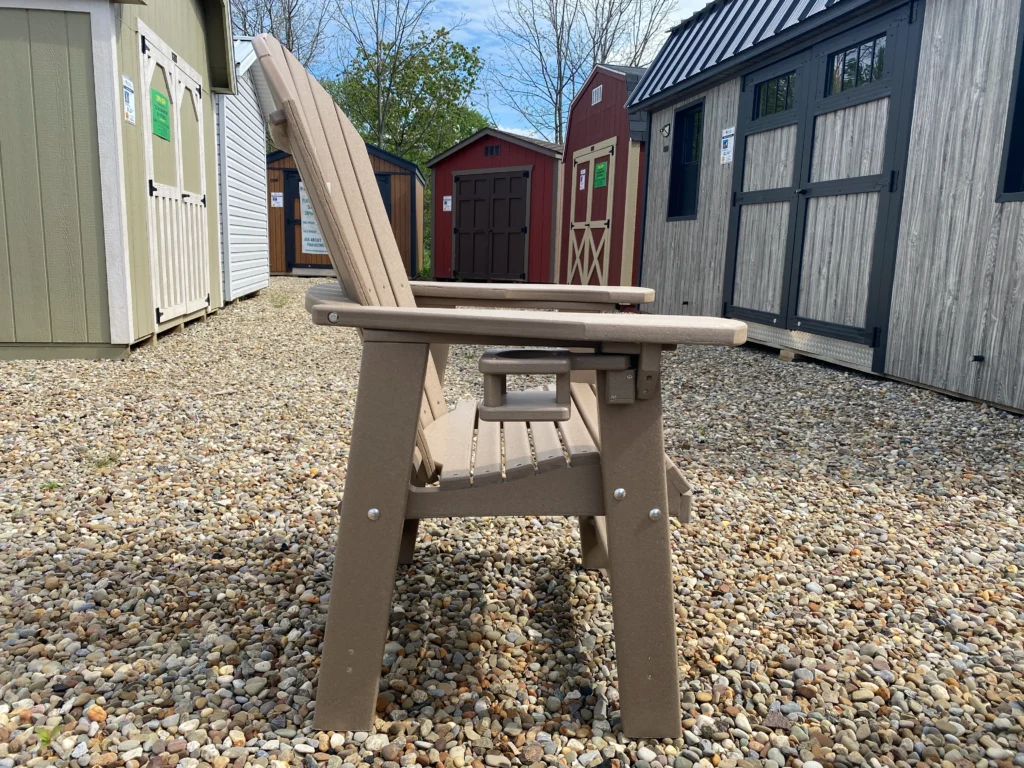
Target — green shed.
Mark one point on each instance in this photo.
(108, 186)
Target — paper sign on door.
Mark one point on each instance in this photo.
(277, 199)
(583, 178)
(728, 143)
(312, 239)
(128, 88)
(446, 203)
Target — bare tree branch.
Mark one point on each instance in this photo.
(625, 31)
(302, 26)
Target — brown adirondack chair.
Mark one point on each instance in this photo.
(590, 447)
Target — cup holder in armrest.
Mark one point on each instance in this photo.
(536, 405)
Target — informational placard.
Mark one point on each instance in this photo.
(583, 178)
(728, 144)
(277, 199)
(128, 88)
(312, 240)
(601, 174)
(446, 203)
(161, 109)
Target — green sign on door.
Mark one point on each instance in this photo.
(161, 109)
(601, 174)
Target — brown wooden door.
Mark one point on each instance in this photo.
(491, 229)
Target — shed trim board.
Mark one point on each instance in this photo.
(536, 145)
(107, 83)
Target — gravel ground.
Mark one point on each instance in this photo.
(851, 595)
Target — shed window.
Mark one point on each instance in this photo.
(856, 66)
(1011, 186)
(684, 178)
(492, 150)
(775, 95)
(596, 94)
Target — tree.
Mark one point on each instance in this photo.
(412, 97)
(545, 58)
(624, 31)
(302, 26)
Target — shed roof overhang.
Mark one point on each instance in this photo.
(538, 145)
(728, 37)
(219, 47)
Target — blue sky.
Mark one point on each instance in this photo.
(474, 31)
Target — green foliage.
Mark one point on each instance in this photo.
(46, 735)
(412, 98)
(50, 485)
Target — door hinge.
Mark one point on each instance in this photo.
(152, 188)
(145, 45)
(734, 199)
(526, 174)
(611, 150)
(199, 91)
(207, 299)
(203, 201)
(455, 230)
(894, 180)
(159, 314)
(523, 230)
(456, 178)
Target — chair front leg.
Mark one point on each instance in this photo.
(640, 567)
(369, 533)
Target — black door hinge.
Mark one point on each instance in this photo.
(526, 174)
(199, 91)
(145, 45)
(611, 150)
(893, 180)
(455, 230)
(523, 230)
(456, 178)
(207, 299)
(159, 314)
(203, 201)
(152, 188)
(734, 199)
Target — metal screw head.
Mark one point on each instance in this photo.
(654, 514)
(620, 494)
(333, 317)
(373, 514)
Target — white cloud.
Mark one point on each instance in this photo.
(528, 132)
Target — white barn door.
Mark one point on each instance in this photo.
(172, 124)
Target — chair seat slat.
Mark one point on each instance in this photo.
(451, 437)
(487, 464)
(518, 457)
(550, 454)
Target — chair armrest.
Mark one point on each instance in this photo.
(523, 294)
(562, 327)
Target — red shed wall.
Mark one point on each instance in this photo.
(542, 202)
(590, 125)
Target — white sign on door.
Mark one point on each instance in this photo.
(312, 240)
(128, 88)
(583, 178)
(277, 199)
(446, 203)
(728, 144)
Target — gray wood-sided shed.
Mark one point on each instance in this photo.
(869, 208)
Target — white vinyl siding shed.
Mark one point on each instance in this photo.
(242, 181)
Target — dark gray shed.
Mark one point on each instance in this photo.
(852, 194)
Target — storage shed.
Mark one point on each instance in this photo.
(495, 203)
(602, 182)
(108, 211)
(242, 180)
(402, 188)
(852, 194)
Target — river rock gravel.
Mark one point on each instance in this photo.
(850, 595)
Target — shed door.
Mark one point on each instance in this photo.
(384, 185)
(173, 145)
(491, 227)
(814, 184)
(590, 214)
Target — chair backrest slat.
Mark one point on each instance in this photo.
(335, 167)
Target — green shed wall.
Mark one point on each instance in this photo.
(182, 26)
(53, 281)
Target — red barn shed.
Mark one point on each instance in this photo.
(495, 203)
(603, 182)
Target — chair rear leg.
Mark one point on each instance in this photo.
(639, 559)
(593, 543)
(408, 549)
(366, 557)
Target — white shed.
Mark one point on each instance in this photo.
(242, 181)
